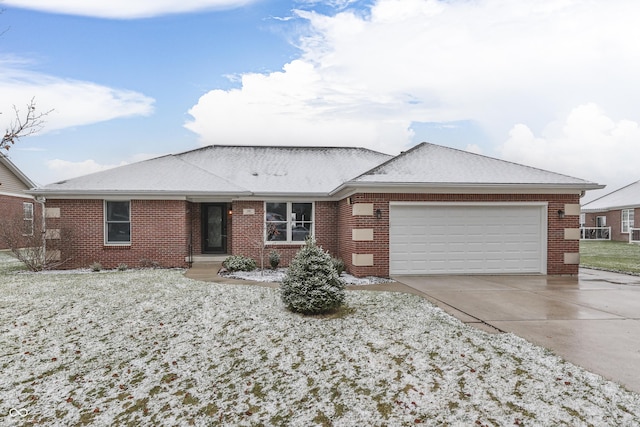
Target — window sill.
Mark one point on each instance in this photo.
(117, 245)
(294, 243)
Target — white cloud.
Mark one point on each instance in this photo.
(362, 78)
(293, 107)
(124, 9)
(587, 143)
(74, 102)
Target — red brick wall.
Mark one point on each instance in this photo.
(159, 233)
(557, 246)
(248, 232)
(12, 215)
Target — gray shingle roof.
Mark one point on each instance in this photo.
(305, 172)
(625, 197)
(239, 170)
(435, 164)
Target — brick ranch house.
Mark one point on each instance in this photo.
(613, 215)
(17, 208)
(429, 210)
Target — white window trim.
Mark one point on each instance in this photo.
(106, 225)
(629, 222)
(26, 219)
(289, 211)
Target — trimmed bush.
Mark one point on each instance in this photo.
(312, 285)
(274, 259)
(239, 263)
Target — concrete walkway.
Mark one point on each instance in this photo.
(592, 321)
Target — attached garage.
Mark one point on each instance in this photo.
(467, 238)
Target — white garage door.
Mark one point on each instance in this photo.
(455, 238)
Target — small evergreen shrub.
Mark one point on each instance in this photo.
(96, 266)
(312, 285)
(274, 259)
(239, 263)
(122, 267)
(338, 264)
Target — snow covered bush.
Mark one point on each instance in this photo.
(312, 285)
(239, 263)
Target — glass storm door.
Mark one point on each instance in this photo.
(214, 228)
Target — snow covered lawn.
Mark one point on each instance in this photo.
(151, 347)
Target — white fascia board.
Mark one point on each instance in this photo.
(611, 208)
(124, 195)
(463, 188)
(17, 195)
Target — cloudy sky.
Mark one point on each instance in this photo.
(547, 83)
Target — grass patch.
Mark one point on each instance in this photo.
(614, 256)
(151, 347)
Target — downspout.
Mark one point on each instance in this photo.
(190, 255)
(41, 200)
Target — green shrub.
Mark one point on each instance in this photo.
(338, 264)
(96, 266)
(274, 259)
(122, 267)
(312, 284)
(239, 263)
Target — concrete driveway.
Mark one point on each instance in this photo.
(592, 321)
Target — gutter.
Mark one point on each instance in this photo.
(470, 187)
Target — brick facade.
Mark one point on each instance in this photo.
(557, 244)
(614, 220)
(159, 233)
(12, 215)
(248, 231)
(163, 232)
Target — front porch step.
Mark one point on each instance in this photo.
(207, 258)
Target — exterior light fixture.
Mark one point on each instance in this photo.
(230, 212)
(378, 214)
(560, 213)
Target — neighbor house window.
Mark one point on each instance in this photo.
(117, 226)
(627, 220)
(27, 229)
(288, 221)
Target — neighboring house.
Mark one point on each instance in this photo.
(613, 216)
(17, 208)
(429, 210)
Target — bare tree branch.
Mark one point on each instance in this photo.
(23, 125)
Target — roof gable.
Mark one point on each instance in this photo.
(625, 197)
(12, 179)
(434, 164)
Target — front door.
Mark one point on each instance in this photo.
(214, 228)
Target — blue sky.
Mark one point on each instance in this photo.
(551, 83)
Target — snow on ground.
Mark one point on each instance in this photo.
(151, 347)
(276, 276)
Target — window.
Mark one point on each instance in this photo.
(627, 220)
(288, 221)
(27, 229)
(583, 219)
(117, 227)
